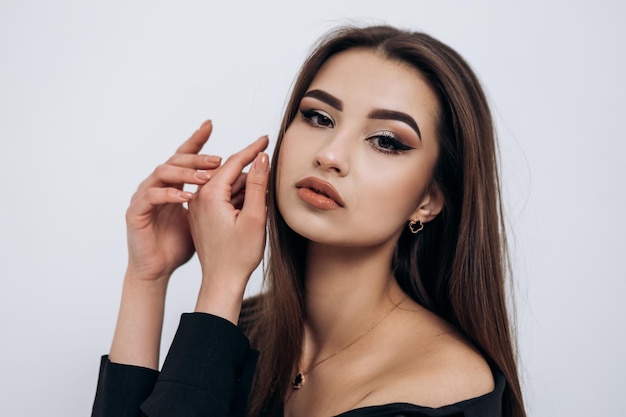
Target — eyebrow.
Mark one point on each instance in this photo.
(381, 114)
(326, 98)
(377, 114)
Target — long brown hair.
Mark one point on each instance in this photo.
(456, 267)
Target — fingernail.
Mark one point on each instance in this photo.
(203, 176)
(206, 123)
(185, 195)
(212, 159)
(261, 162)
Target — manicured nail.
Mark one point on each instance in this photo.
(185, 195)
(205, 123)
(202, 175)
(261, 162)
(212, 159)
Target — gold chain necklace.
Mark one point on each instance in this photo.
(300, 377)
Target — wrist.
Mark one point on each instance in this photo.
(138, 331)
(140, 279)
(221, 301)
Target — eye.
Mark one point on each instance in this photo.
(387, 143)
(317, 118)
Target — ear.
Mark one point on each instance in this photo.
(430, 205)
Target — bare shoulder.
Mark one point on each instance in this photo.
(433, 367)
(450, 372)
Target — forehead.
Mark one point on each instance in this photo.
(365, 78)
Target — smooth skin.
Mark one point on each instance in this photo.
(160, 239)
(412, 356)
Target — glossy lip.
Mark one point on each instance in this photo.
(321, 187)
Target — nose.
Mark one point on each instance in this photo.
(335, 154)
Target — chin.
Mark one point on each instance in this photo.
(340, 237)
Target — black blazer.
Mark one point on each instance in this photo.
(208, 372)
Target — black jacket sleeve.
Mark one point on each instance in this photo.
(208, 372)
(122, 389)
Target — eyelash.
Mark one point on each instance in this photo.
(396, 146)
(309, 116)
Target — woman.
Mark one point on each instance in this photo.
(386, 261)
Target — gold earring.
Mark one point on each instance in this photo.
(416, 226)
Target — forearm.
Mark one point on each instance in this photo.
(137, 335)
(208, 371)
(229, 240)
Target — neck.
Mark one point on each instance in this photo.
(347, 289)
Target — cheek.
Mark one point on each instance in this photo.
(280, 177)
(395, 192)
(285, 161)
(296, 153)
(289, 159)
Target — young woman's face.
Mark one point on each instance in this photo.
(356, 162)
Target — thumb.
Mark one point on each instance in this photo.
(256, 189)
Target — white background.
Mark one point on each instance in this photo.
(93, 96)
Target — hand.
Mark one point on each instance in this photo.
(159, 239)
(230, 239)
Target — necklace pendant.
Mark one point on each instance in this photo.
(298, 381)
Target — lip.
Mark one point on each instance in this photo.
(319, 193)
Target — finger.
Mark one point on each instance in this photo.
(195, 143)
(233, 166)
(166, 174)
(238, 191)
(145, 202)
(187, 160)
(240, 183)
(256, 189)
(237, 199)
